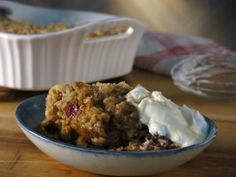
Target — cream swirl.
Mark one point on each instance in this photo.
(181, 124)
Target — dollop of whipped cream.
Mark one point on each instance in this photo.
(180, 124)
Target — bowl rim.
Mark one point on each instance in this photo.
(212, 132)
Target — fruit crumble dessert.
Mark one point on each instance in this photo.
(119, 117)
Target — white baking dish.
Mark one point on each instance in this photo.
(37, 62)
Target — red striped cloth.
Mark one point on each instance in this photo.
(158, 52)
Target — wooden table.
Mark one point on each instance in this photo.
(20, 158)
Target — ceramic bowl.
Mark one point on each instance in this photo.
(37, 62)
(30, 113)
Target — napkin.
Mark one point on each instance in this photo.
(159, 52)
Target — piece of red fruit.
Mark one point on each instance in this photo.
(71, 109)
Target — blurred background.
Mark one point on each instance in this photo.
(215, 19)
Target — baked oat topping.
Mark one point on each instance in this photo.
(109, 31)
(98, 115)
(8, 25)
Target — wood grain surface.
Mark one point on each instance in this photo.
(20, 158)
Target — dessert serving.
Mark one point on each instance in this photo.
(114, 129)
(119, 117)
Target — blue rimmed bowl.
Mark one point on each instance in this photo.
(30, 113)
